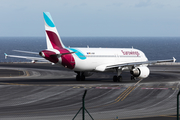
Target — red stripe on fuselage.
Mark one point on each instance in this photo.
(54, 39)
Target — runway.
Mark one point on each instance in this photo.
(43, 91)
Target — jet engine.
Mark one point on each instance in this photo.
(140, 72)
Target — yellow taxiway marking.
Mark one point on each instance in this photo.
(123, 95)
(128, 93)
(27, 73)
(138, 82)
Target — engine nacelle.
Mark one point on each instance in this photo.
(140, 72)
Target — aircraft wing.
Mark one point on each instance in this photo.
(34, 59)
(104, 67)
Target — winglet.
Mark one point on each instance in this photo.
(5, 55)
(174, 59)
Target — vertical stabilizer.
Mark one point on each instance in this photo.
(53, 39)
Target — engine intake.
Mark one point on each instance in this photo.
(140, 72)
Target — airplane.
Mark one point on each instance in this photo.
(85, 61)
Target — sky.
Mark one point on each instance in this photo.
(91, 18)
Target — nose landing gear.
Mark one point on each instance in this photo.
(133, 78)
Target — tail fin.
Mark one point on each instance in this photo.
(53, 39)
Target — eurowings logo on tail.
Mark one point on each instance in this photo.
(56, 52)
(52, 37)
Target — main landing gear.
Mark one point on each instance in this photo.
(118, 77)
(80, 76)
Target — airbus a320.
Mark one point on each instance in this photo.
(85, 61)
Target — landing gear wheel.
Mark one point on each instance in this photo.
(78, 77)
(82, 78)
(119, 78)
(115, 78)
(132, 78)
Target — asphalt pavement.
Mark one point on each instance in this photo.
(43, 91)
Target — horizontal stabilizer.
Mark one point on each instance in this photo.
(36, 53)
(59, 55)
(26, 57)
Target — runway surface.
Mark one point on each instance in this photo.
(43, 92)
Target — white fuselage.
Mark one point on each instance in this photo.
(94, 57)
